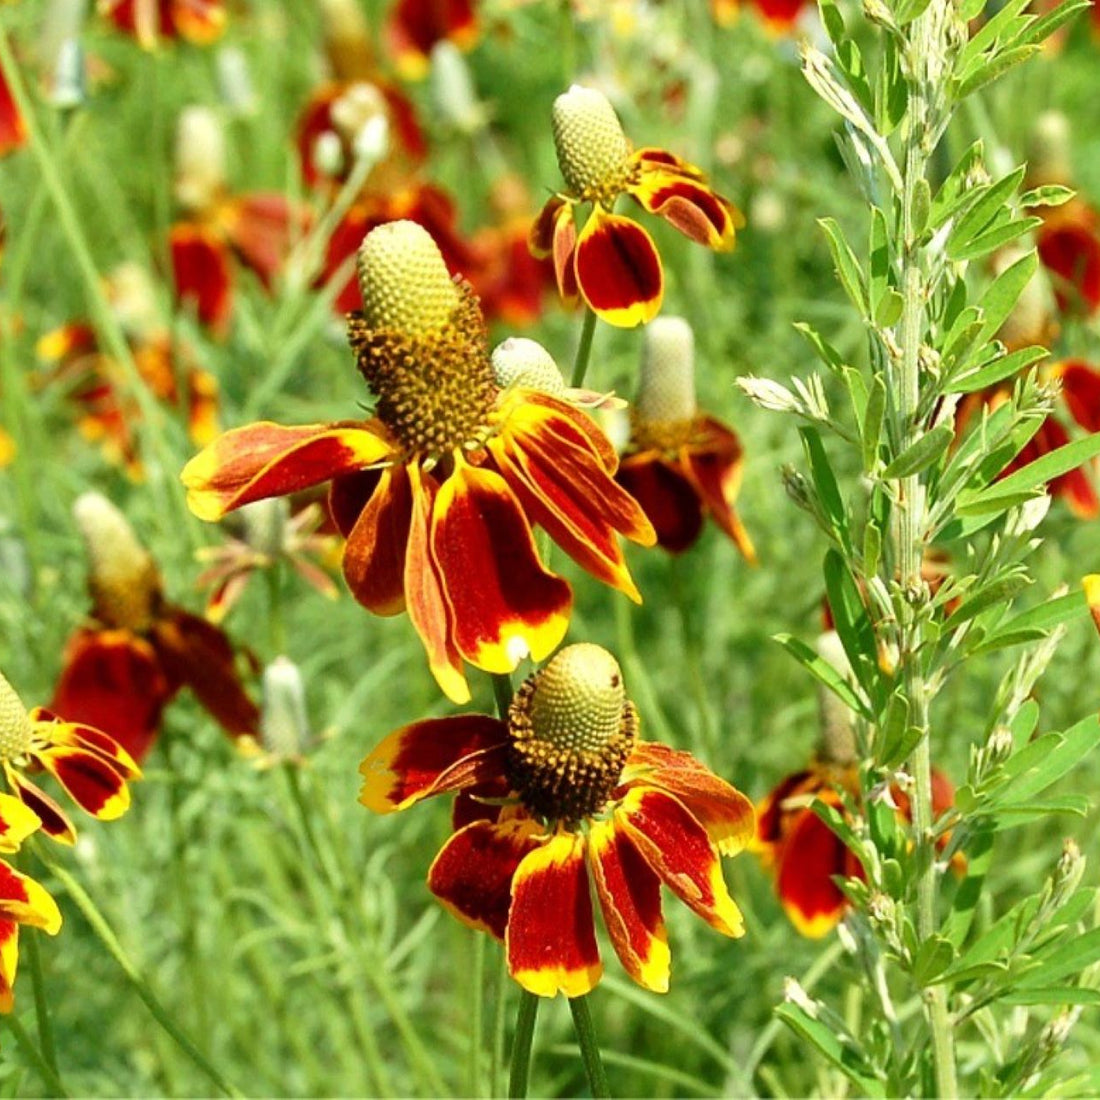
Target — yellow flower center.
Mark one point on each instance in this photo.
(15, 723)
(593, 152)
(572, 729)
(122, 576)
(421, 343)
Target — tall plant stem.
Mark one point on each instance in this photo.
(521, 1044)
(41, 1004)
(584, 349)
(41, 1064)
(911, 531)
(590, 1050)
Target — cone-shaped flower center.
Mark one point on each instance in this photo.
(122, 577)
(592, 149)
(526, 363)
(15, 723)
(200, 159)
(572, 729)
(665, 406)
(421, 342)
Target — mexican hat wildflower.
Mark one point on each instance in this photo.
(613, 263)
(414, 27)
(22, 900)
(560, 795)
(437, 493)
(138, 650)
(199, 22)
(89, 765)
(680, 464)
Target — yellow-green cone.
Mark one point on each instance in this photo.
(577, 704)
(592, 148)
(666, 390)
(518, 361)
(405, 284)
(15, 724)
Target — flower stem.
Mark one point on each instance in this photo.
(590, 1049)
(42, 1066)
(115, 949)
(584, 349)
(521, 1044)
(41, 1003)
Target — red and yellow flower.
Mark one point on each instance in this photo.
(22, 900)
(680, 464)
(613, 263)
(89, 765)
(13, 130)
(1069, 246)
(138, 650)
(199, 22)
(437, 493)
(560, 795)
(415, 26)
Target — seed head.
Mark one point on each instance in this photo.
(522, 362)
(283, 726)
(15, 723)
(666, 393)
(1049, 159)
(200, 158)
(578, 701)
(265, 525)
(592, 148)
(122, 576)
(405, 284)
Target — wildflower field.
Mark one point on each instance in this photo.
(659, 437)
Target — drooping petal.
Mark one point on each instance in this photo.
(472, 875)
(668, 499)
(25, 901)
(1081, 392)
(55, 822)
(1069, 246)
(554, 236)
(200, 655)
(415, 26)
(9, 962)
(690, 205)
(779, 15)
(427, 605)
(714, 466)
(630, 897)
(726, 814)
(551, 937)
(651, 159)
(89, 780)
(532, 410)
(618, 270)
(374, 558)
(202, 274)
(771, 814)
(113, 681)
(268, 460)
(810, 856)
(262, 227)
(504, 605)
(49, 728)
(17, 822)
(677, 847)
(13, 130)
(431, 757)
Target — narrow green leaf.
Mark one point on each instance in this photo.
(825, 483)
(1047, 615)
(1050, 194)
(989, 32)
(921, 207)
(872, 548)
(994, 69)
(1037, 474)
(979, 858)
(998, 591)
(1004, 366)
(888, 308)
(826, 352)
(1002, 294)
(844, 1057)
(857, 392)
(872, 423)
(847, 266)
(986, 243)
(955, 193)
(825, 674)
(853, 624)
(921, 454)
(1073, 746)
(933, 957)
(1055, 995)
(1047, 24)
(978, 217)
(1067, 960)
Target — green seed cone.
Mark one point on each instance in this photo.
(578, 700)
(518, 361)
(666, 392)
(589, 138)
(15, 725)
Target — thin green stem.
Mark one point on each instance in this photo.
(502, 693)
(42, 1067)
(141, 986)
(500, 1015)
(477, 994)
(41, 1002)
(589, 1047)
(584, 349)
(521, 1044)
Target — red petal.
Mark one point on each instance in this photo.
(810, 856)
(415, 26)
(199, 654)
(262, 227)
(630, 897)
(431, 757)
(1069, 246)
(618, 270)
(554, 236)
(677, 847)
(202, 276)
(668, 499)
(551, 938)
(89, 780)
(504, 606)
(771, 815)
(424, 596)
(56, 731)
(112, 680)
(472, 875)
(374, 558)
(24, 900)
(714, 465)
(652, 159)
(725, 813)
(55, 822)
(17, 822)
(1081, 392)
(199, 22)
(13, 131)
(689, 205)
(269, 460)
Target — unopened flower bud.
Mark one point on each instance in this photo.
(405, 284)
(200, 158)
(15, 723)
(453, 90)
(794, 994)
(797, 487)
(666, 390)
(837, 743)
(592, 148)
(768, 394)
(327, 154)
(1068, 872)
(69, 86)
(238, 94)
(1049, 150)
(284, 727)
(519, 361)
(361, 118)
(122, 576)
